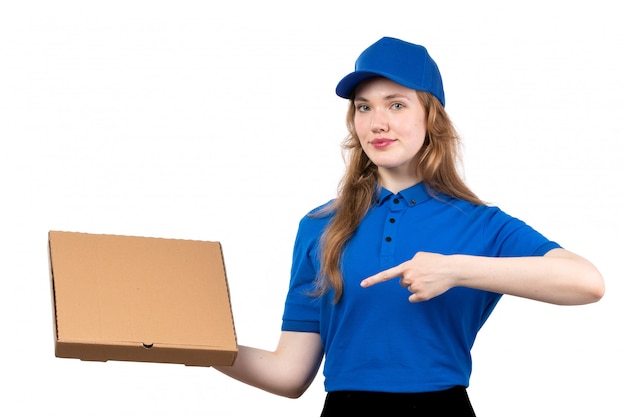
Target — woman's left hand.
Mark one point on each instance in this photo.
(424, 276)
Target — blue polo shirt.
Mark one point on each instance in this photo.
(374, 339)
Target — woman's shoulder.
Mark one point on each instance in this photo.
(486, 212)
(312, 224)
(318, 216)
(489, 215)
(322, 211)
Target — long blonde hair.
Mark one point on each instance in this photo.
(438, 162)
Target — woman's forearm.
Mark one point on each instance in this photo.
(288, 371)
(559, 277)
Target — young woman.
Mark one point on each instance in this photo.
(392, 280)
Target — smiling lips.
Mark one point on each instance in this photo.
(381, 142)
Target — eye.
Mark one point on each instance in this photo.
(362, 108)
(397, 106)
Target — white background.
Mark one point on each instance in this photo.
(218, 121)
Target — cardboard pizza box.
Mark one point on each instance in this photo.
(143, 299)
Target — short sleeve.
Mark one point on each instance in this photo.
(507, 236)
(302, 309)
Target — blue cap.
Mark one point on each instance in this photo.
(405, 63)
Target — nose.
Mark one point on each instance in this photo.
(379, 122)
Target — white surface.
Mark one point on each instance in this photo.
(218, 121)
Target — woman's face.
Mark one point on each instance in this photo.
(390, 122)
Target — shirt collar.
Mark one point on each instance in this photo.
(413, 195)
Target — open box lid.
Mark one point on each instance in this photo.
(140, 299)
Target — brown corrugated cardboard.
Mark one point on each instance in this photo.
(140, 299)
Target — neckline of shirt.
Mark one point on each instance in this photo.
(414, 195)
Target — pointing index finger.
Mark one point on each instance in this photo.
(382, 276)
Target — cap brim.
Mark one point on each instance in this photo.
(346, 86)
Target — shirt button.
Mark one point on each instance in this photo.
(412, 202)
(392, 220)
(396, 201)
(388, 239)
